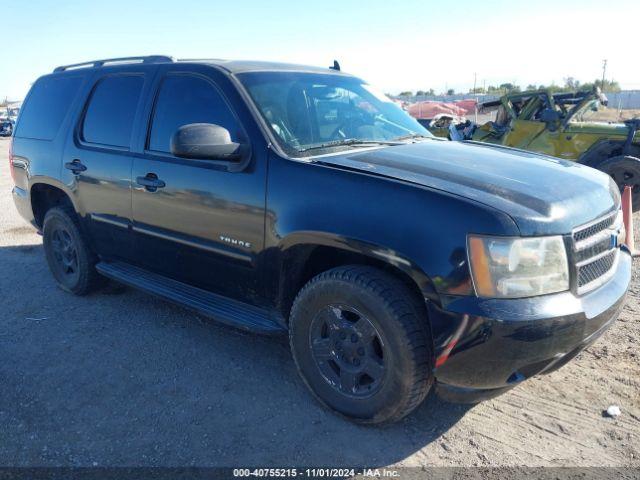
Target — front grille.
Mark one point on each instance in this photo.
(589, 250)
(592, 271)
(594, 253)
(590, 230)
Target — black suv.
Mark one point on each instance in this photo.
(281, 198)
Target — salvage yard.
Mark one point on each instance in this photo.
(121, 378)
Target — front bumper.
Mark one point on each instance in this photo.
(486, 346)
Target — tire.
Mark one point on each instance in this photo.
(625, 170)
(70, 260)
(371, 359)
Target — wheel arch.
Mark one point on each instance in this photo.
(605, 149)
(45, 195)
(307, 254)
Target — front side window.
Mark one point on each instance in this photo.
(112, 110)
(183, 100)
(309, 112)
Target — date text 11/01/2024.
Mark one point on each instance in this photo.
(315, 472)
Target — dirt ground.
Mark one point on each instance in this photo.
(613, 115)
(118, 379)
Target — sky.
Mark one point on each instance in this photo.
(394, 45)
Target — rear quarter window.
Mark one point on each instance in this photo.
(46, 107)
(112, 109)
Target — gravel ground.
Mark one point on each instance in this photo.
(125, 379)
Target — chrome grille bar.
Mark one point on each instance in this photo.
(594, 251)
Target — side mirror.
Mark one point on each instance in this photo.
(205, 141)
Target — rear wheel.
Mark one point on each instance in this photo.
(625, 170)
(70, 260)
(360, 343)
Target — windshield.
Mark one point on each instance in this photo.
(315, 113)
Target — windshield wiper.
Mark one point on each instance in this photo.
(412, 136)
(350, 142)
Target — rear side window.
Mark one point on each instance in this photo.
(112, 109)
(185, 99)
(46, 107)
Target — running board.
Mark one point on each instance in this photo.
(231, 312)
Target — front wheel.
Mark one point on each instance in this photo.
(625, 170)
(360, 342)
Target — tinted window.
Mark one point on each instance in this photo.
(185, 99)
(111, 110)
(46, 107)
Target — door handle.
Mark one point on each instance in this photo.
(75, 166)
(150, 182)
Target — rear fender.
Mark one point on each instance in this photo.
(41, 180)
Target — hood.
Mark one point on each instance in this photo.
(543, 195)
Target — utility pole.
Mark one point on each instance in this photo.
(475, 94)
(604, 71)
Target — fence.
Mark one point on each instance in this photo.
(624, 100)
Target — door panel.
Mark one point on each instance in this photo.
(103, 191)
(548, 143)
(205, 225)
(98, 159)
(522, 132)
(572, 141)
(179, 229)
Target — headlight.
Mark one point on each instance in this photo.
(518, 267)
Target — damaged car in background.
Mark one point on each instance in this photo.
(438, 117)
(8, 117)
(6, 126)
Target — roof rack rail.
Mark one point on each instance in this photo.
(100, 63)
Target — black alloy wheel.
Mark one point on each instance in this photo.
(70, 259)
(64, 253)
(361, 342)
(348, 350)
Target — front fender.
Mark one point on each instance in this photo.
(419, 230)
(311, 239)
